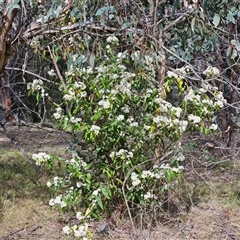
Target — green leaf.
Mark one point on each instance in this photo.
(231, 17)
(193, 24)
(97, 116)
(106, 192)
(38, 96)
(57, 11)
(200, 29)
(229, 50)
(99, 201)
(202, 16)
(100, 12)
(92, 60)
(234, 54)
(13, 6)
(106, 10)
(216, 20)
(65, 123)
(234, 42)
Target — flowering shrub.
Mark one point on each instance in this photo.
(129, 127)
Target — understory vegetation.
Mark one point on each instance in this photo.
(143, 93)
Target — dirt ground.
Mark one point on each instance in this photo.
(211, 194)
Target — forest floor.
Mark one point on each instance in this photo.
(207, 202)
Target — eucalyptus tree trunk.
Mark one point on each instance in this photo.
(6, 51)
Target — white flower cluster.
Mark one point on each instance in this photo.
(172, 74)
(123, 87)
(80, 85)
(194, 119)
(132, 122)
(104, 103)
(36, 85)
(121, 56)
(196, 98)
(145, 175)
(112, 39)
(75, 120)
(120, 117)
(220, 100)
(78, 231)
(58, 201)
(95, 192)
(166, 166)
(162, 120)
(126, 109)
(192, 97)
(182, 126)
(78, 162)
(57, 181)
(169, 116)
(80, 184)
(213, 127)
(36, 42)
(95, 129)
(158, 172)
(79, 216)
(179, 157)
(149, 195)
(100, 70)
(136, 55)
(76, 91)
(61, 200)
(40, 158)
(166, 106)
(87, 70)
(58, 114)
(51, 73)
(70, 95)
(205, 87)
(122, 153)
(211, 71)
(149, 60)
(182, 72)
(135, 179)
(75, 39)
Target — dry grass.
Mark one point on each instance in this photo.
(29, 219)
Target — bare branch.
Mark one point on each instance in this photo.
(31, 73)
(57, 68)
